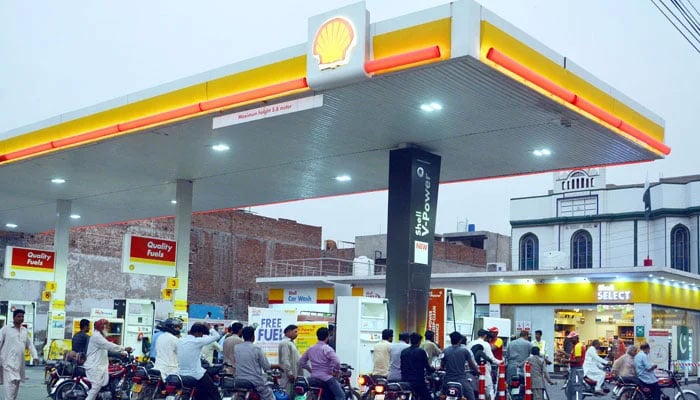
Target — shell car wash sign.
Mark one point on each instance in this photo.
(338, 46)
(30, 264)
(148, 256)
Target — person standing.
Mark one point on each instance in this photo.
(381, 354)
(414, 367)
(542, 345)
(251, 364)
(454, 359)
(395, 357)
(14, 339)
(208, 350)
(97, 361)
(593, 365)
(189, 349)
(617, 348)
(538, 373)
(430, 348)
(516, 353)
(574, 388)
(79, 343)
(230, 343)
(322, 362)
(289, 357)
(645, 371)
(487, 354)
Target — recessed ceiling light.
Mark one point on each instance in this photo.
(430, 107)
(542, 152)
(74, 216)
(58, 180)
(220, 147)
(651, 275)
(343, 178)
(173, 201)
(11, 225)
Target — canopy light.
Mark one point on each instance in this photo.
(58, 180)
(10, 225)
(542, 152)
(74, 216)
(343, 178)
(220, 147)
(430, 107)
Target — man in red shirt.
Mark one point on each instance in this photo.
(574, 387)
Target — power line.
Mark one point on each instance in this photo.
(695, 46)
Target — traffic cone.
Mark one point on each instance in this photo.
(528, 382)
(482, 382)
(501, 381)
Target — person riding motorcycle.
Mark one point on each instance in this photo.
(593, 365)
(189, 350)
(97, 361)
(454, 359)
(166, 347)
(323, 363)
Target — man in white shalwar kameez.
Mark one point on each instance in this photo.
(97, 362)
(13, 340)
(593, 365)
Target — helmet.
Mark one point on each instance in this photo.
(172, 325)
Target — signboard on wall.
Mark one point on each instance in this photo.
(658, 347)
(29, 264)
(269, 327)
(148, 256)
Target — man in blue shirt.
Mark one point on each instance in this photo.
(455, 358)
(414, 366)
(156, 334)
(645, 371)
(189, 350)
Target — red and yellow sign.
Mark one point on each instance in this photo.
(436, 315)
(148, 256)
(334, 42)
(31, 264)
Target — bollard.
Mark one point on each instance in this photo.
(482, 382)
(528, 382)
(501, 382)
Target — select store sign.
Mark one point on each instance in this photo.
(31, 264)
(148, 256)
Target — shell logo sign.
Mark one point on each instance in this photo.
(334, 42)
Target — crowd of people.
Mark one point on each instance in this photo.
(410, 359)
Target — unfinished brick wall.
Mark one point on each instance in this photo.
(458, 252)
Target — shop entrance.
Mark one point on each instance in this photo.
(603, 322)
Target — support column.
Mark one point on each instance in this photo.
(183, 224)
(413, 188)
(61, 239)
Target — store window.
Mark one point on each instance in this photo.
(529, 248)
(581, 250)
(680, 248)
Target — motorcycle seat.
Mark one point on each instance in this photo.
(589, 381)
(242, 384)
(630, 380)
(398, 386)
(154, 372)
(180, 381)
(316, 382)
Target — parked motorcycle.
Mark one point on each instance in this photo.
(118, 387)
(667, 379)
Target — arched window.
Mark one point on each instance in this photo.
(581, 250)
(680, 248)
(529, 252)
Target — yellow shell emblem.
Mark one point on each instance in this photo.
(334, 42)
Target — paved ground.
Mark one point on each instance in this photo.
(34, 389)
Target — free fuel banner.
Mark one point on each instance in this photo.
(30, 264)
(148, 256)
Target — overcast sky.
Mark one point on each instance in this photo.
(59, 56)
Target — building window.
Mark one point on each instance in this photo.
(529, 250)
(578, 206)
(581, 250)
(680, 248)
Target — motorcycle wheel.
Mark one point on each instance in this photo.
(63, 390)
(686, 395)
(630, 394)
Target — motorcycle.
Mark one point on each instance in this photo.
(667, 379)
(516, 387)
(372, 387)
(453, 391)
(118, 388)
(56, 373)
(180, 387)
(146, 382)
(244, 390)
(314, 389)
(588, 384)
